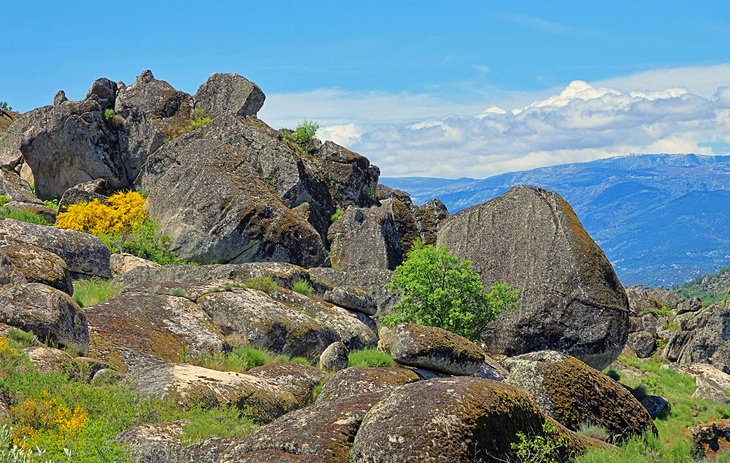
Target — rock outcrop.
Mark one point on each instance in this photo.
(216, 208)
(50, 314)
(39, 266)
(354, 381)
(706, 338)
(574, 394)
(571, 299)
(84, 254)
(224, 94)
(431, 348)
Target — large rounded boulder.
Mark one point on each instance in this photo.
(454, 420)
(574, 394)
(230, 93)
(572, 301)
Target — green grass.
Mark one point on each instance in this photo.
(51, 203)
(22, 215)
(674, 441)
(4, 200)
(337, 215)
(21, 338)
(94, 291)
(111, 408)
(369, 358)
(302, 287)
(265, 284)
(241, 359)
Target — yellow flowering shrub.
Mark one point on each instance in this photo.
(46, 415)
(121, 213)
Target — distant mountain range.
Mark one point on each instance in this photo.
(661, 219)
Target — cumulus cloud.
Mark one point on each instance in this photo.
(673, 111)
(581, 123)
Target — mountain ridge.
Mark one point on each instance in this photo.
(662, 219)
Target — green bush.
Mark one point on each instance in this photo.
(4, 200)
(94, 291)
(546, 447)
(51, 203)
(302, 287)
(22, 215)
(264, 283)
(304, 134)
(439, 289)
(113, 118)
(143, 241)
(369, 358)
(4, 106)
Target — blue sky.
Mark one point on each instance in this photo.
(397, 80)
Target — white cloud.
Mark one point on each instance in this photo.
(670, 111)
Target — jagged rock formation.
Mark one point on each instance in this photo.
(571, 300)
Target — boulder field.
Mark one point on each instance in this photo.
(242, 203)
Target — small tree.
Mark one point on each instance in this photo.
(4, 106)
(439, 289)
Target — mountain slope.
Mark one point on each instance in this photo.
(661, 219)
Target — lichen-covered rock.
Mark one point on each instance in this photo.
(190, 385)
(297, 379)
(286, 323)
(708, 338)
(84, 254)
(283, 274)
(130, 328)
(334, 357)
(216, 209)
(123, 263)
(372, 281)
(366, 238)
(642, 343)
(10, 275)
(455, 420)
(48, 313)
(39, 266)
(157, 443)
(431, 348)
(66, 144)
(656, 406)
(574, 393)
(430, 216)
(356, 380)
(571, 299)
(151, 111)
(323, 433)
(224, 94)
(352, 298)
(15, 188)
(104, 92)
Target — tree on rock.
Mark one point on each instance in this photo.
(439, 289)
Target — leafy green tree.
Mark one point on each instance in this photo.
(4, 106)
(439, 289)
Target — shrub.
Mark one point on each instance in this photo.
(439, 289)
(113, 118)
(264, 283)
(369, 358)
(540, 448)
(94, 291)
(51, 203)
(4, 200)
(304, 134)
(4, 106)
(302, 287)
(122, 223)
